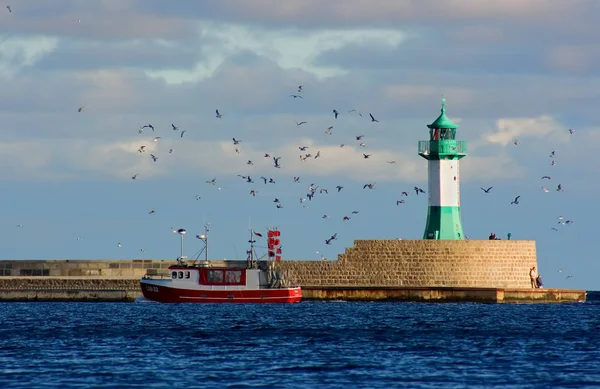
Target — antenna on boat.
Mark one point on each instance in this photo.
(204, 238)
(181, 233)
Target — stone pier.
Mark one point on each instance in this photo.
(372, 270)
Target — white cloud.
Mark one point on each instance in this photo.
(289, 48)
(21, 52)
(511, 129)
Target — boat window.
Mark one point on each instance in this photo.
(174, 274)
(180, 274)
(215, 276)
(233, 276)
(187, 274)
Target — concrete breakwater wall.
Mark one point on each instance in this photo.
(68, 289)
(135, 268)
(435, 263)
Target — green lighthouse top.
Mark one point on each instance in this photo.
(443, 121)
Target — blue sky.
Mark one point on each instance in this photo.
(510, 70)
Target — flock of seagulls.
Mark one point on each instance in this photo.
(313, 190)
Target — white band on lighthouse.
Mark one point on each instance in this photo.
(444, 183)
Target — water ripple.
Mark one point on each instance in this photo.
(306, 345)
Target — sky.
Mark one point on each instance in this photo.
(512, 71)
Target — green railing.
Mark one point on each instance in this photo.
(448, 147)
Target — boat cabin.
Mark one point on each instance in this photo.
(232, 278)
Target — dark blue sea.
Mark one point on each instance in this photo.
(306, 345)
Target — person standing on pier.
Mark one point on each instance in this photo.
(533, 277)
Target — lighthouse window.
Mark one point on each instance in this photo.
(187, 274)
(180, 274)
(215, 276)
(174, 274)
(233, 277)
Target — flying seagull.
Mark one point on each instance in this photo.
(373, 119)
(9, 8)
(156, 138)
(154, 157)
(219, 116)
(300, 123)
(134, 177)
(183, 132)
(296, 96)
(174, 127)
(150, 126)
(236, 142)
(335, 113)
(276, 161)
(516, 200)
(212, 182)
(80, 109)
(487, 190)
(546, 177)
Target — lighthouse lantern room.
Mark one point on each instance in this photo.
(443, 152)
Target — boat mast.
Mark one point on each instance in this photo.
(250, 252)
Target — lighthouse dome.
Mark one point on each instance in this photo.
(443, 121)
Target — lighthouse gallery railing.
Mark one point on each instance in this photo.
(442, 147)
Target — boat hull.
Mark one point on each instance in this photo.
(165, 293)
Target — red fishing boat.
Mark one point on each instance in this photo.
(250, 281)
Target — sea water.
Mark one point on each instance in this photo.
(305, 345)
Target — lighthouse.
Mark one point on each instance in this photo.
(443, 152)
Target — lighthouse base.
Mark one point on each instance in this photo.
(443, 223)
